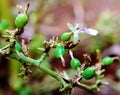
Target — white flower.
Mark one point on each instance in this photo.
(76, 37)
(89, 31)
(76, 32)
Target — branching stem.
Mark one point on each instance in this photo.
(42, 67)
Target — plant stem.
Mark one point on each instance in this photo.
(78, 70)
(1, 53)
(42, 58)
(42, 67)
(88, 88)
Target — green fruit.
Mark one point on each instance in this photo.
(65, 36)
(18, 47)
(75, 63)
(21, 20)
(88, 73)
(107, 61)
(59, 51)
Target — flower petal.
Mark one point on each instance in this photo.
(92, 32)
(76, 37)
(71, 27)
(83, 30)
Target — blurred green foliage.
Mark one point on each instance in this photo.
(26, 90)
(37, 42)
(4, 24)
(108, 26)
(5, 11)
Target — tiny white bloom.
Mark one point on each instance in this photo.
(92, 32)
(76, 31)
(76, 37)
(89, 31)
